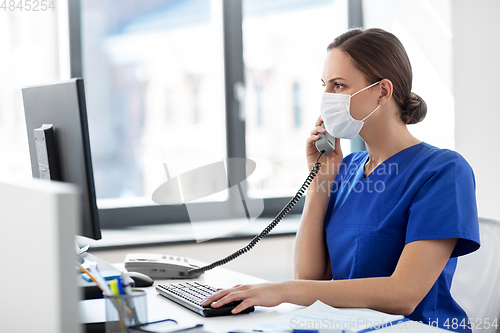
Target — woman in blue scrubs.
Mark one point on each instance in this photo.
(381, 229)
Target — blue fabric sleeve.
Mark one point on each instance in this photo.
(445, 204)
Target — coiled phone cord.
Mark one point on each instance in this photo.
(267, 230)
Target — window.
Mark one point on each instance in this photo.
(165, 76)
(29, 56)
(153, 72)
(284, 45)
(176, 85)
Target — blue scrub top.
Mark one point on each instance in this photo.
(422, 192)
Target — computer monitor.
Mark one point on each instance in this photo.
(59, 145)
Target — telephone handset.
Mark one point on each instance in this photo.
(326, 143)
(166, 266)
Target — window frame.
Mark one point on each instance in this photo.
(232, 16)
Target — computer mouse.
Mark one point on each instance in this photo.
(141, 280)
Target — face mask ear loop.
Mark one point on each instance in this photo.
(365, 88)
(370, 113)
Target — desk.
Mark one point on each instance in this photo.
(161, 308)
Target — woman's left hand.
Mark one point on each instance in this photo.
(265, 294)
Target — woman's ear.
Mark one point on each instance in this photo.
(386, 89)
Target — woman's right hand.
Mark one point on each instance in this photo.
(311, 260)
(330, 164)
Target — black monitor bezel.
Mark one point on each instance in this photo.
(63, 105)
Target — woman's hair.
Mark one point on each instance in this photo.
(380, 55)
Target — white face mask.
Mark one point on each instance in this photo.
(335, 111)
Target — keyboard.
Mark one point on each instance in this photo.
(192, 294)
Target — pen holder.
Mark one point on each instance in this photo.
(123, 311)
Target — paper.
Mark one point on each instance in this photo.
(324, 317)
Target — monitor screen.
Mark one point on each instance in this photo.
(56, 114)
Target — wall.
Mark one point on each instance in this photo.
(424, 28)
(476, 85)
(454, 50)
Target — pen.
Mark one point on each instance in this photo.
(103, 287)
(115, 289)
(95, 276)
(88, 263)
(124, 312)
(120, 286)
(126, 282)
(113, 285)
(99, 280)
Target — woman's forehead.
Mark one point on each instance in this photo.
(339, 64)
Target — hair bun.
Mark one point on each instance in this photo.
(415, 111)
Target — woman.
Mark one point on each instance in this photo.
(380, 229)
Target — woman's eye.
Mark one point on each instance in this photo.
(339, 86)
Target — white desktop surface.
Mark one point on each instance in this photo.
(160, 307)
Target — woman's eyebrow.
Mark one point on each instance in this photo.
(335, 79)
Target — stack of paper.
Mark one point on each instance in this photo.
(320, 316)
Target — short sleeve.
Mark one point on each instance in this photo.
(445, 204)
